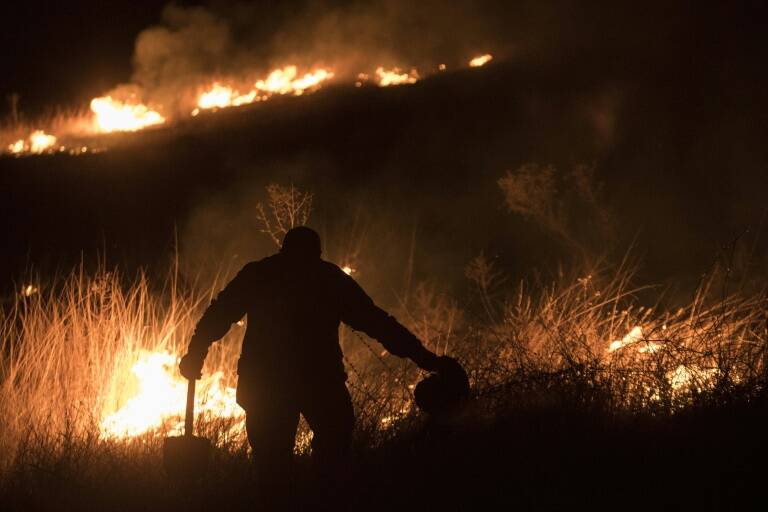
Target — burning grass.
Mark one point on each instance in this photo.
(88, 374)
(124, 109)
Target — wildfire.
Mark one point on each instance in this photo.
(480, 60)
(394, 76)
(679, 379)
(118, 116)
(38, 142)
(283, 81)
(114, 113)
(161, 399)
(29, 290)
(220, 96)
(684, 377)
(348, 270)
(633, 336)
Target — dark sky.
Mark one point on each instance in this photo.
(64, 53)
(67, 52)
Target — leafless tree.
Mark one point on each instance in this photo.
(286, 208)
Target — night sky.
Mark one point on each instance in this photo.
(64, 53)
(67, 52)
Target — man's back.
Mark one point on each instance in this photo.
(294, 301)
(294, 309)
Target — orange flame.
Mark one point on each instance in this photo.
(115, 114)
(280, 81)
(220, 96)
(387, 77)
(480, 60)
(161, 399)
(38, 142)
(16, 147)
(118, 116)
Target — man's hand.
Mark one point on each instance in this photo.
(448, 367)
(191, 365)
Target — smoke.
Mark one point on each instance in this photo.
(244, 41)
(188, 47)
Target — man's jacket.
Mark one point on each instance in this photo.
(294, 308)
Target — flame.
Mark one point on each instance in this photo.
(38, 142)
(118, 116)
(284, 81)
(280, 81)
(29, 290)
(636, 334)
(220, 96)
(387, 77)
(480, 60)
(684, 377)
(348, 270)
(17, 147)
(161, 399)
(114, 114)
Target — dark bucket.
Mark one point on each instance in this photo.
(186, 458)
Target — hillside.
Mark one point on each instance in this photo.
(677, 166)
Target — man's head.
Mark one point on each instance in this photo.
(301, 242)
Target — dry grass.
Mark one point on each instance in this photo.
(63, 123)
(67, 353)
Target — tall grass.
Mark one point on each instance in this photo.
(594, 330)
(67, 352)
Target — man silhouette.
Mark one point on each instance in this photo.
(291, 361)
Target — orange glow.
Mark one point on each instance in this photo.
(117, 112)
(161, 399)
(220, 96)
(17, 147)
(480, 60)
(280, 81)
(29, 290)
(394, 76)
(38, 142)
(117, 116)
(633, 336)
(285, 81)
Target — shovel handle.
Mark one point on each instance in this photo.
(189, 418)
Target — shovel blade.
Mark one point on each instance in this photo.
(186, 457)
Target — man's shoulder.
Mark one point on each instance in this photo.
(259, 266)
(332, 269)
